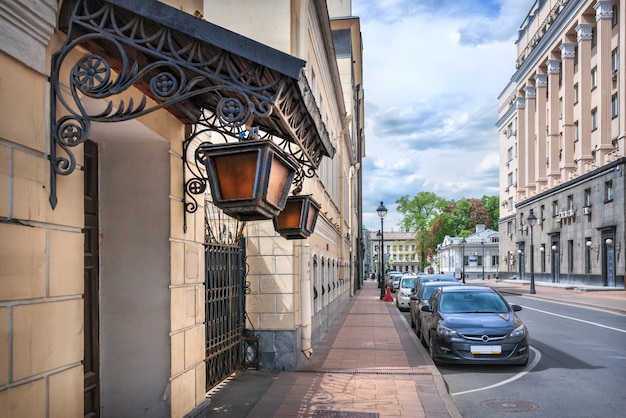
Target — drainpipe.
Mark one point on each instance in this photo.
(353, 169)
(305, 298)
(345, 253)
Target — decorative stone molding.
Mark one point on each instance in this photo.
(26, 29)
(520, 102)
(541, 80)
(554, 66)
(604, 9)
(584, 32)
(567, 50)
(531, 92)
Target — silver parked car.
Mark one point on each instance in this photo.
(405, 290)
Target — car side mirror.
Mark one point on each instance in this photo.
(426, 308)
(413, 297)
(516, 308)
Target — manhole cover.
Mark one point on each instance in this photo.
(509, 405)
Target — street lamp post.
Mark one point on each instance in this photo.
(532, 219)
(463, 259)
(382, 212)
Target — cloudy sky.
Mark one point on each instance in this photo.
(433, 70)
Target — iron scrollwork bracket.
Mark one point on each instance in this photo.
(169, 73)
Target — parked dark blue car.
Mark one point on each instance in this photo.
(473, 324)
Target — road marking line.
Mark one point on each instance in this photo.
(504, 382)
(576, 319)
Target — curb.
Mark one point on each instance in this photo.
(440, 383)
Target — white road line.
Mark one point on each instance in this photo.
(504, 382)
(576, 319)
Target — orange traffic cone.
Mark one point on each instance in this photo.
(388, 297)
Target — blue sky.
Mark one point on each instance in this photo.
(433, 70)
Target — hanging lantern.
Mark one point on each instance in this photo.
(250, 179)
(297, 220)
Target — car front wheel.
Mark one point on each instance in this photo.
(431, 349)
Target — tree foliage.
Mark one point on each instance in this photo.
(432, 217)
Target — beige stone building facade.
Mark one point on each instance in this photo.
(562, 130)
(399, 250)
(110, 249)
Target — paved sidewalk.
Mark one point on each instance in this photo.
(369, 364)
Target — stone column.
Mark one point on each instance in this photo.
(530, 141)
(541, 83)
(604, 15)
(522, 181)
(566, 113)
(584, 90)
(554, 157)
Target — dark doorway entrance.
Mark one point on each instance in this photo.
(92, 283)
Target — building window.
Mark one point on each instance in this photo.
(594, 119)
(576, 132)
(510, 154)
(570, 256)
(509, 130)
(594, 37)
(614, 18)
(570, 202)
(510, 203)
(575, 93)
(594, 78)
(510, 177)
(608, 191)
(555, 208)
(587, 197)
(587, 256)
(614, 60)
(614, 106)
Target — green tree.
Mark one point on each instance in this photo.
(491, 203)
(418, 215)
(432, 217)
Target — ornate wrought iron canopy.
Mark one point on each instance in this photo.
(205, 75)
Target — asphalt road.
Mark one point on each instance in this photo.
(577, 368)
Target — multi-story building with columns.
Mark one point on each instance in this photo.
(562, 135)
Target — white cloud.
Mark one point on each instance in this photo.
(432, 74)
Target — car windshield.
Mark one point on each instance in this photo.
(407, 283)
(428, 290)
(472, 302)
